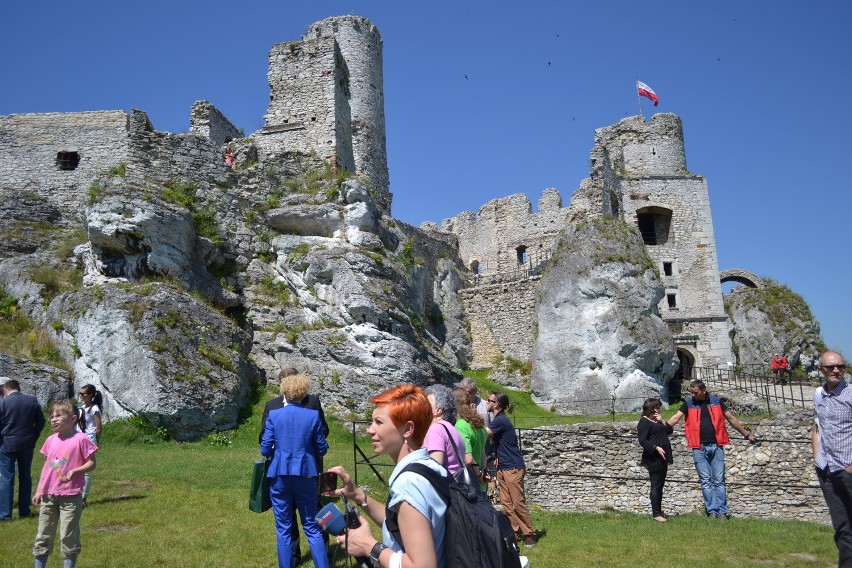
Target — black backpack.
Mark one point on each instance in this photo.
(477, 534)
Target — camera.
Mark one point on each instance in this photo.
(327, 482)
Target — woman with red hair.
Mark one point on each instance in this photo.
(401, 418)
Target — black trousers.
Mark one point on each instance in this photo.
(657, 470)
(837, 490)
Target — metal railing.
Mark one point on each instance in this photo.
(492, 272)
(797, 391)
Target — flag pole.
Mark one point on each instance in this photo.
(638, 97)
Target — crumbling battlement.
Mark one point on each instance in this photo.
(208, 122)
(505, 234)
(57, 157)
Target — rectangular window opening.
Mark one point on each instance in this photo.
(67, 161)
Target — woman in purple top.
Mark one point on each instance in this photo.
(441, 431)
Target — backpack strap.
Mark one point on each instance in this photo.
(438, 481)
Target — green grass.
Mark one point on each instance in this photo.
(160, 503)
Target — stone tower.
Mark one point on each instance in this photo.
(327, 96)
(671, 208)
(360, 45)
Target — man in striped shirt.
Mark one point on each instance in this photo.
(832, 446)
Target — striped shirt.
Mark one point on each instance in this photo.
(834, 420)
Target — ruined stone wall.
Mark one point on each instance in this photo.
(636, 147)
(32, 142)
(596, 466)
(207, 121)
(490, 238)
(360, 45)
(163, 156)
(502, 319)
(308, 108)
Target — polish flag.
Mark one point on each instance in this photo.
(647, 91)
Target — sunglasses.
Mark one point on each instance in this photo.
(840, 367)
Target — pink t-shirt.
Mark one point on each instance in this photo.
(437, 441)
(61, 457)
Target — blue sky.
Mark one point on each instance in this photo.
(763, 88)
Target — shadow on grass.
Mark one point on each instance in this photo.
(118, 499)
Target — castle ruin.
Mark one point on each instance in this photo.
(638, 172)
(327, 102)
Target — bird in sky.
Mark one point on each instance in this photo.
(465, 77)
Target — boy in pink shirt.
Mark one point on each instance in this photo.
(68, 456)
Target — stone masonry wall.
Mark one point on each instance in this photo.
(163, 156)
(650, 161)
(638, 147)
(308, 108)
(490, 238)
(360, 45)
(502, 319)
(207, 121)
(594, 466)
(32, 141)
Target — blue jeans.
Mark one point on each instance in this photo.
(284, 491)
(709, 462)
(24, 460)
(837, 490)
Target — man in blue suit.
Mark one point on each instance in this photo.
(293, 437)
(21, 422)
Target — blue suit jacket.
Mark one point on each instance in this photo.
(21, 422)
(293, 436)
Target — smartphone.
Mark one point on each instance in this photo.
(327, 482)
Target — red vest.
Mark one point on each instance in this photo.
(692, 427)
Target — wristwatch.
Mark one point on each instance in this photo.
(376, 552)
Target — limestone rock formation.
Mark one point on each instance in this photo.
(48, 384)
(157, 352)
(772, 319)
(599, 335)
(182, 295)
(356, 299)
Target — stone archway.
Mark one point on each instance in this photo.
(742, 277)
(683, 374)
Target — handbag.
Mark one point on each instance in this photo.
(259, 500)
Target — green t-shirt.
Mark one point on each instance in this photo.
(474, 442)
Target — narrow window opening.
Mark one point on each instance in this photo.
(522, 254)
(672, 300)
(67, 161)
(667, 268)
